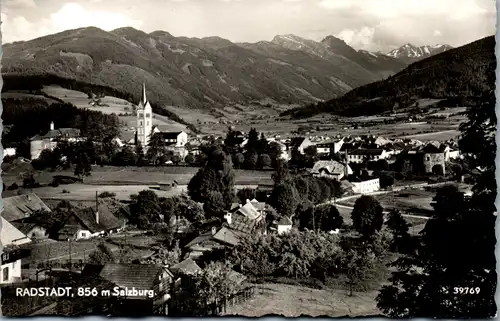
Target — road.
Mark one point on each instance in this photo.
(394, 189)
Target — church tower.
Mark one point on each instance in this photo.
(144, 120)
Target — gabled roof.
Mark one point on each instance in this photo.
(260, 206)
(11, 235)
(168, 135)
(331, 167)
(285, 220)
(139, 276)
(22, 206)
(188, 266)
(229, 236)
(249, 211)
(107, 221)
(24, 227)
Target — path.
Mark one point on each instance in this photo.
(394, 189)
(431, 133)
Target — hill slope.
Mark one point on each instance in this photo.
(185, 72)
(460, 73)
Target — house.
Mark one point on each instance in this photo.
(361, 155)
(423, 159)
(216, 238)
(19, 207)
(10, 269)
(329, 147)
(187, 266)
(331, 169)
(284, 225)
(49, 141)
(365, 186)
(31, 229)
(86, 223)
(299, 143)
(174, 141)
(152, 283)
(9, 151)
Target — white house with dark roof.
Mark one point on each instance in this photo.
(10, 269)
(49, 141)
(331, 169)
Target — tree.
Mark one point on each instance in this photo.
(382, 165)
(367, 216)
(386, 179)
(264, 161)
(358, 267)
(238, 160)
(125, 157)
(101, 255)
(282, 174)
(252, 144)
(302, 186)
(458, 241)
(251, 160)
(311, 153)
(139, 152)
(214, 205)
(329, 218)
(233, 141)
(176, 159)
(145, 209)
(216, 175)
(284, 199)
(399, 228)
(156, 149)
(189, 159)
(82, 166)
(246, 194)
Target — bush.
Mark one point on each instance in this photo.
(54, 183)
(12, 187)
(106, 194)
(65, 191)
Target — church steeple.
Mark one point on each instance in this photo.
(144, 100)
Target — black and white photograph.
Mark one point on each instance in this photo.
(248, 158)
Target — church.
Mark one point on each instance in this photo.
(175, 142)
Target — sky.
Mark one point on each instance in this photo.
(376, 25)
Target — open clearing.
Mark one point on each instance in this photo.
(439, 136)
(113, 105)
(82, 192)
(110, 175)
(294, 301)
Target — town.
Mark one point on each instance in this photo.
(307, 188)
(318, 158)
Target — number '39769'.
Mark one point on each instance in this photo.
(466, 290)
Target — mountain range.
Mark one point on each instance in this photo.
(201, 73)
(410, 53)
(462, 76)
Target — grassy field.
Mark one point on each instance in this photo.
(294, 301)
(109, 175)
(439, 136)
(114, 106)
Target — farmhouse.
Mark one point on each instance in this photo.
(49, 141)
(19, 207)
(87, 222)
(10, 269)
(331, 169)
(187, 267)
(153, 281)
(216, 238)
